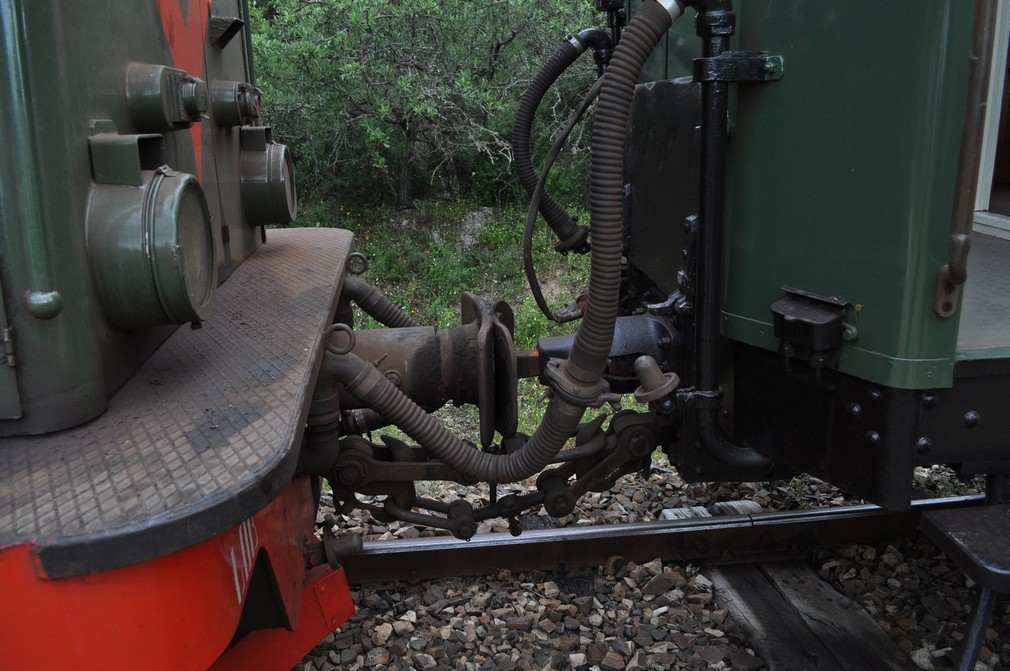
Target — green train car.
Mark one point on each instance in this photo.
(799, 263)
(864, 185)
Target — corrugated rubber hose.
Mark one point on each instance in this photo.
(375, 304)
(570, 235)
(595, 335)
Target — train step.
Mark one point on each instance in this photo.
(977, 540)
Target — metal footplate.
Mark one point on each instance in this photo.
(204, 434)
(978, 541)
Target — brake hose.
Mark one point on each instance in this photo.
(571, 236)
(590, 350)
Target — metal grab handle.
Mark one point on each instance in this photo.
(42, 300)
(951, 276)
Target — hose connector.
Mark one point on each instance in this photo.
(674, 8)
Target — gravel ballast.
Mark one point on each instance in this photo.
(626, 616)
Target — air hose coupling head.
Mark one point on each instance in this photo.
(576, 239)
(577, 392)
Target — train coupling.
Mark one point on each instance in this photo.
(332, 548)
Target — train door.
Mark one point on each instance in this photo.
(992, 203)
(985, 317)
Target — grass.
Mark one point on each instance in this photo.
(424, 258)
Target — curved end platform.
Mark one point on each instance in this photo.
(201, 438)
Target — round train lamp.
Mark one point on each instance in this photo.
(151, 249)
(268, 181)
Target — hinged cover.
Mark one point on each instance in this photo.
(10, 399)
(810, 326)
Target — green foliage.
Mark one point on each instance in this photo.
(382, 102)
(397, 103)
(424, 258)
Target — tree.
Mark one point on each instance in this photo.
(402, 95)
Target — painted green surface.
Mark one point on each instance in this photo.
(64, 67)
(59, 364)
(842, 175)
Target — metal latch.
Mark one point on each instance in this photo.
(739, 66)
(8, 343)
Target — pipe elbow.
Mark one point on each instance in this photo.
(601, 44)
(714, 442)
(595, 39)
(375, 304)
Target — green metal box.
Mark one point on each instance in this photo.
(843, 175)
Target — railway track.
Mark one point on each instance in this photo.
(781, 614)
(723, 540)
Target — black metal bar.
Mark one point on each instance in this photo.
(985, 603)
(721, 540)
(714, 125)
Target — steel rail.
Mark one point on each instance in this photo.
(727, 539)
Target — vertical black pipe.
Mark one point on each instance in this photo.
(997, 488)
(715, 23)
(715, 105)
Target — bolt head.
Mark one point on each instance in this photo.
(350, 475)
(640, 445)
